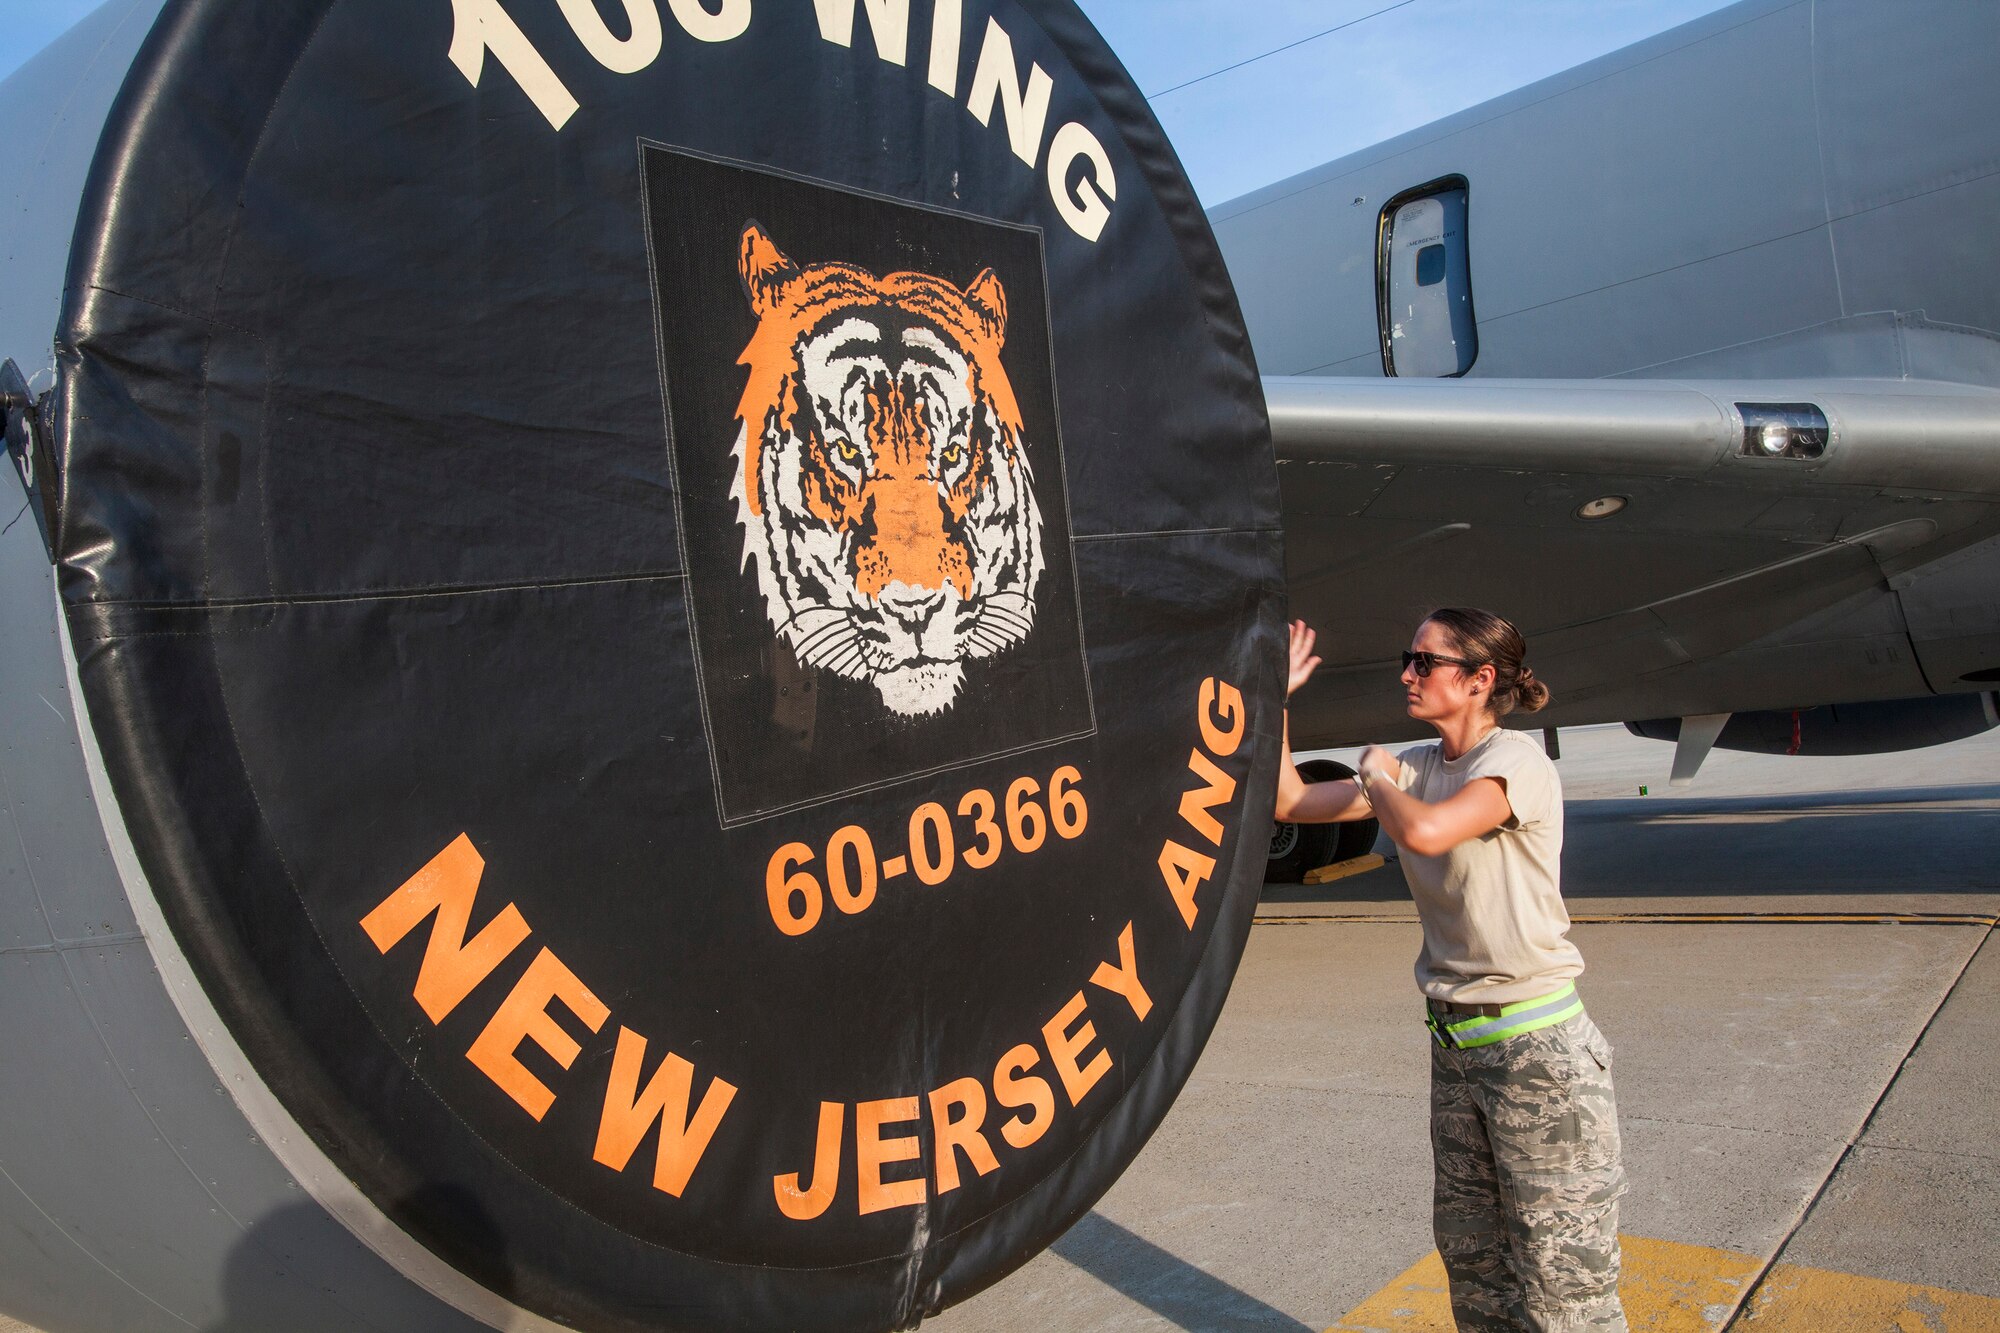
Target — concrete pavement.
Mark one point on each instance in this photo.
(1795, 961)
(1792, 959)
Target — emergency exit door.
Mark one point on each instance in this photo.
(1424, 283)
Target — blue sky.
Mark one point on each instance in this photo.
(26, 26)
(1389, 72)
(1399, 64)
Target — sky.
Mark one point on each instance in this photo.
(1390, 66)
(26, 26)
(1398, 66)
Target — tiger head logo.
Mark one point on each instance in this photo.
(884, 493)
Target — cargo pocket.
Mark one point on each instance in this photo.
(1597, 1048)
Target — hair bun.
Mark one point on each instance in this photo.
(1530, 695)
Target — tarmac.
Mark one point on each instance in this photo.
(1794, 959)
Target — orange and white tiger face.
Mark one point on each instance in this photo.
(884, 494)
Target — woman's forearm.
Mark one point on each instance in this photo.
(1399, 812)
(1302, 802)
(1290, 784)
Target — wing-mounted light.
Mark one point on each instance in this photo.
(1604, 506)
(1783, 430)
(1909, 436)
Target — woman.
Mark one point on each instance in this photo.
(1524, 1129)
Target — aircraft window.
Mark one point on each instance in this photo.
(1423, 286)
(1430, 265)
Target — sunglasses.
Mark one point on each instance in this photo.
(1425, 663)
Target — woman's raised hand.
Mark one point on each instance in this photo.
(1303, 663)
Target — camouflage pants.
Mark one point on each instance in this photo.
(1524, 1143)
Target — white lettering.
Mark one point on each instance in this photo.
(947, 21)
(889, 20)
(1027, 110)
(725, 25)
(632, 54)
(1087, 207)
(1081, 182)
(479, 26)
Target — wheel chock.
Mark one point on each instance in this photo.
(1353, 865)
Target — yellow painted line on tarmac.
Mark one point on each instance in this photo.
(1414, 1302)
(1668, 1287)
(1811, 1300)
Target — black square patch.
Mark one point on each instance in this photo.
(874, 520)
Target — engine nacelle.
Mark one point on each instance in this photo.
(1880, 727)
(468, 860)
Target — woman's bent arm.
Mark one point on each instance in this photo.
(1302, 802)
(1432, 830)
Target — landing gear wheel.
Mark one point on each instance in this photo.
(1297, 848)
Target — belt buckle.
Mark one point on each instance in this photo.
(1438, 1030)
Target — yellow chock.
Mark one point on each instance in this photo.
(1356, 865)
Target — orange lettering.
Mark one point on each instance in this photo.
(1065, 1046)
(524, 1016)
(629, 1113)
(1220, 743)
(1123, 979)
(978, 804)
(1032, 1092)
(1184, 872)
(1195, 805)
(803, 1205)
(960, 1134)
(929, 871)
(872, 1152)
(451, 967)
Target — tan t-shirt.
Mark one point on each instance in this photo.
(1494, 923)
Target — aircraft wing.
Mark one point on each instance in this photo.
(1636, 530)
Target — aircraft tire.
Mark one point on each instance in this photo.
(1297, 848)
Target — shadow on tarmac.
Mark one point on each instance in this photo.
(1817, 843)
(1777, 845)
(285, 1271)
(1164, 1283)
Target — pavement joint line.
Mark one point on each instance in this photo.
(1285, 1085)
(1801, 1299)
(1801, 918)
(1866, 1145)
(1733, 1129)
(1764, 1271)
(1671, 919)
(1288, 1085)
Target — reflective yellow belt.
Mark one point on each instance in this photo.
(1511, 1021)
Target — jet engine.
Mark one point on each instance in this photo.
(1881, 727)
(640, 661)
